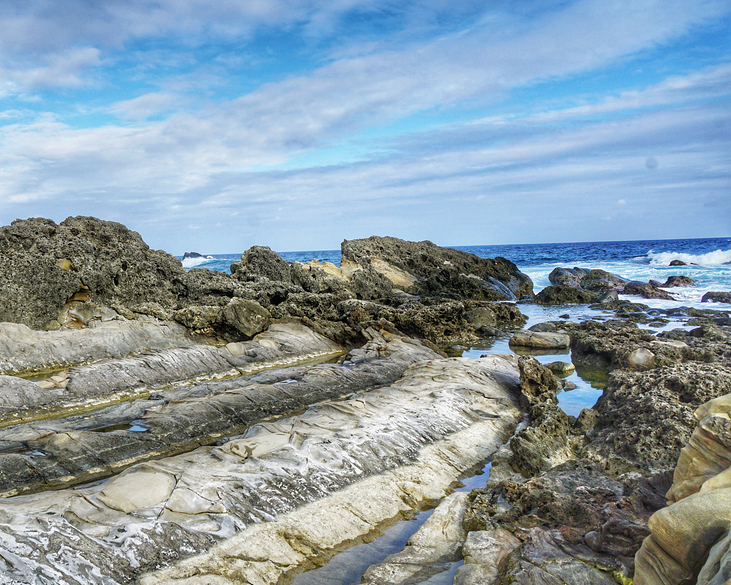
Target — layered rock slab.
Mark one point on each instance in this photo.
(409, 440)
(109, 381)
(689, 540)
(56, 453)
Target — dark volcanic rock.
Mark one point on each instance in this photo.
(602, 281)
(646, 418)
(83, 258)
(647, 290)
(440, 271)
(261, 261)
(716, 297)
(677, 263)
(567, 276)
(564, 294)
(675, 280)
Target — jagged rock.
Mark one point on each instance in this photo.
(563, 294)
(567, 276)
(261, 262)
(437, 271)
(716, 297)
(646, 290)
(645, 418)
(46, 265)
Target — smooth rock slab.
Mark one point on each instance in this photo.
(57, 453)
(540, 340)
(113, 380)
(25, 350)
(436, 543)
(347, 467)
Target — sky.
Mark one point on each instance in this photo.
(295, 124)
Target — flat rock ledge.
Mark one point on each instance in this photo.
(114, 380)
(50, 454)
(279, 499)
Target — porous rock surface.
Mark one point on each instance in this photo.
(571, 500)
(85, 271)
(424, 268)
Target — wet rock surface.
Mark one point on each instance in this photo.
(180, 505)
(579, 496)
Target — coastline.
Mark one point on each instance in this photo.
(176, 349)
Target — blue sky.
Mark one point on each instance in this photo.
(214, 126)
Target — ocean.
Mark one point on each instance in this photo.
(708, 262)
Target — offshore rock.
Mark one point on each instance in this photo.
(716, 297)
(602, 281)
(436, 271)
(647, 291)
(567, 276)
(675, 281)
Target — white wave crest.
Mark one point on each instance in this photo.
(193, 262)
(716, 258)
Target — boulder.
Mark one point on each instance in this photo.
(647, 290)
(675, 280)
(247, 317)
(261, 262)
(602, 281)
(716, 297)
(561, 294)
(567, 276)
(46, 266)
(677, 262)
(540, 340)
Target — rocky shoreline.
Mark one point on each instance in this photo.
(160, 425)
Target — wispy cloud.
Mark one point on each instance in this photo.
(413, 126)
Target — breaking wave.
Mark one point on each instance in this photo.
(716, 258)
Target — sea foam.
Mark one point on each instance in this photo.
(716, 258)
